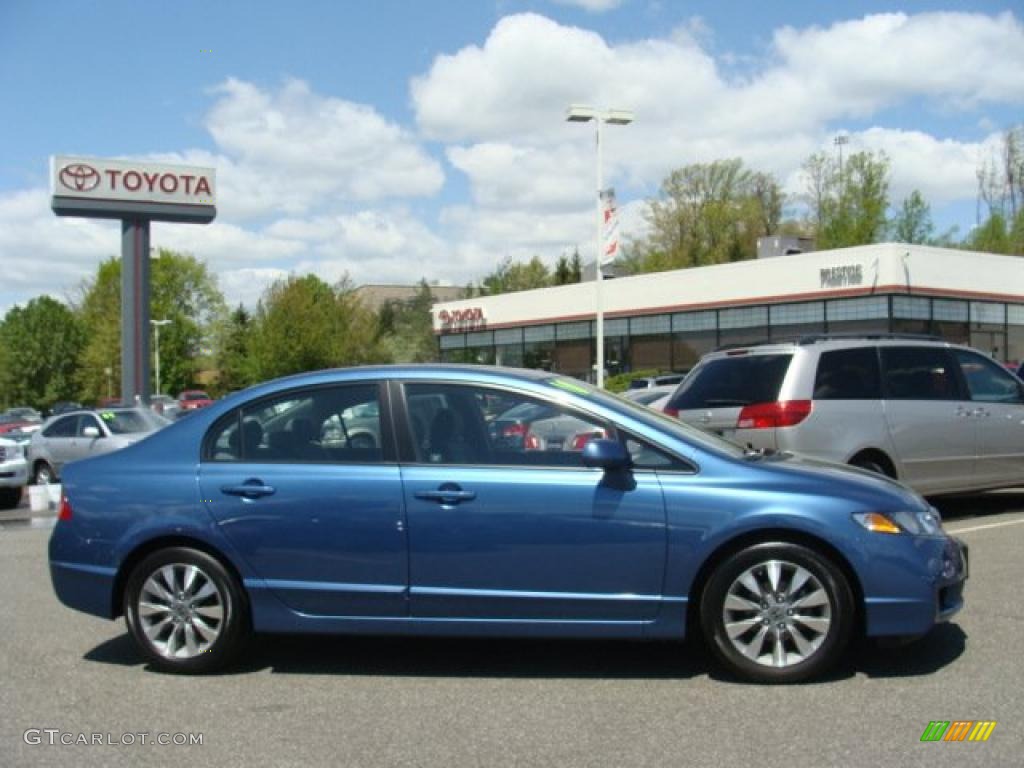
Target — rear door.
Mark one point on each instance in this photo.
(314, 507)
(997, 409)
(928, 416)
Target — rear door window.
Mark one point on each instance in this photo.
(848, 374)
(729, 382)
(919, 373)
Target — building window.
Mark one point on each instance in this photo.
(508, 336)
(695, 321)
(616, 327)
(911, 308)
(480, 339)
(650, 325)
(652, 352)
(539, 333)
(869, 308)
(743, 317)
(566, 331)
(949, 310)
(453, 341)
(688, 348)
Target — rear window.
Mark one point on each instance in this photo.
(727, 382)
(848, 374)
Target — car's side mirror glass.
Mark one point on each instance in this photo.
(607, 454)
(91, 432)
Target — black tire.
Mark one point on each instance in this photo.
(816, 651)
(232, 628)
(43, 474)
(9, 497)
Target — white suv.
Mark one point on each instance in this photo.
(940, 417)
(13, 473)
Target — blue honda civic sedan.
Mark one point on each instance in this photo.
(398, 500)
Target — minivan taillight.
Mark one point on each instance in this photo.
(65, 508)
(668, 410)
(785, 413)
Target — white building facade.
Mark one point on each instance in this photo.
(667, 320)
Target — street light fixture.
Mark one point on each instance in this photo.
(578, 113)
(157, 325)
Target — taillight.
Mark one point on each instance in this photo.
(531, 442)
(785, 413)
(670, 411)
(514, 430)
(65, 508)
(580, 441)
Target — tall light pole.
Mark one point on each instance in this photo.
(582, 114)
(157, 325)
(841, 141)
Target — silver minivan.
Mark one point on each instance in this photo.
(940, 417)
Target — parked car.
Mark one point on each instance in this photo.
(64, 406)
(940, 417)
(191, 399)
(13, 472)
(650, 395)
(165, 405)
(530, 426)
(81, 434)
(11, 421)
(24, 413)
(241, 517)
(663, 379)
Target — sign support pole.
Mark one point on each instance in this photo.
(135, 388)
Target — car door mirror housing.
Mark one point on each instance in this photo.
(607, 454)
(91, 432)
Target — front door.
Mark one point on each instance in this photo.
(313, 504)
(505, 527)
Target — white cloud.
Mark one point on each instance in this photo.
(593, 6)
(300, 150)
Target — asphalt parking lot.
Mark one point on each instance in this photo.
(366, 702)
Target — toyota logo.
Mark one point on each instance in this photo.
(79, 177)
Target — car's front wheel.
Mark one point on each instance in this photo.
(185, 610)
(43, 474)
(777, 613)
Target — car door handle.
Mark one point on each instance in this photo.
(250, 489)
(446, 495)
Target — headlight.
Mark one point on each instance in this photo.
(918, 523)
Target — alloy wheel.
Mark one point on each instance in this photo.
(777, 613)
(181, 611)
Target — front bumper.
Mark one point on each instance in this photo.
(932, 596)
(13, 474)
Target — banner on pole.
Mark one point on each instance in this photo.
(610, 226)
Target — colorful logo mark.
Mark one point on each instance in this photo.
(958, 730)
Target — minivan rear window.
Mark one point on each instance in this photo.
(728, 382)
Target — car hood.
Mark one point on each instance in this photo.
(841, 478)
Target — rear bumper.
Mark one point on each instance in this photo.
(13, 474)
(86, 588)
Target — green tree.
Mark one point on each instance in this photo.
(234, 367)
(406, 330)
(42, 342)
(182, 290)
(913, 220)
(563, 273)
(707, 213)
(513, 276)
(847, 204)
(575, 267)
(304, 324)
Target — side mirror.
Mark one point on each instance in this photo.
(91, 432)
(607, 454)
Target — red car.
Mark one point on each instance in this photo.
(193, 399)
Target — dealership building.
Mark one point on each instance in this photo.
(667, 320)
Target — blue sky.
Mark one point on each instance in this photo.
(393, 140)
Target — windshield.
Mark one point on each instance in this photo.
(647, 415)
(195, 396)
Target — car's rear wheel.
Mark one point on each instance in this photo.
(185, 610)
(777, 613)
(43, 474)
(9, 497)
